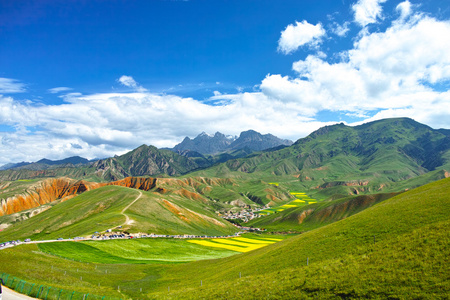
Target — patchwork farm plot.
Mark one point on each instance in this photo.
(141, 251)
(238, 244)
(302, 199)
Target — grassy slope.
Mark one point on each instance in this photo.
(92, 211)
(173, 214)
(100, 209)
(410, 257)
(136, 251)
(10, 189)
(312, 216)
(108, 263)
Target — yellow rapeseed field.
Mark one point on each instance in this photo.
(252, 241)
(238, 244)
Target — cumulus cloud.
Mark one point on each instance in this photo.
(102, 125)
(404, 8)
(390, 73)
(367, 11)
(11, 86)
(129, 81)
(340, 30)
(403, 71)
(60, 89)
(299, 34)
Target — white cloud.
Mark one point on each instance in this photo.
(129, 81)
(408, 52)
(295, 36)
(106, 124)
(341, 30)
(398, 72)
(404, 8)
(57, 90)
(367, 11)
(11, 86)
(403, 71)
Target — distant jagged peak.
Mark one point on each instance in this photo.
(249, 132)
(204, 134)
(219, 143)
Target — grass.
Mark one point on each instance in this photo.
(238, 244)
(135, 251)
(96, 210)
(395, 249)
(100, 267)
(301, 200)
(408, 259)
(101, 209)
(307, 217)
(13, 188)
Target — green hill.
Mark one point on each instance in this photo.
(344, 160)
(396, 249)
(101, 209)
(315, 215)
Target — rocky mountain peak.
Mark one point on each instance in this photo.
(219, 143)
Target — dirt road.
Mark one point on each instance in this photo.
(13, 295)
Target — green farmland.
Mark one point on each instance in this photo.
(301, 200)
(133, 251)
(397, 248)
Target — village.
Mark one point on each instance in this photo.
(244, 215)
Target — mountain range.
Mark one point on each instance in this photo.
(44, 163)
(335, 159)
(219, 143)
(341, 159)
(353, 192)
(222, 147)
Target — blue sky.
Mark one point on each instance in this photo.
(98, 78)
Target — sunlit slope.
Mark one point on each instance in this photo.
(397, 248)
(91, 211)
(133, 251)
(101, 209)
(340, 159)
(220, 194)
(315, 215)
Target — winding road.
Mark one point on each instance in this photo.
(13, 295)
(127, 220)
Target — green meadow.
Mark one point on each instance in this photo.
(133, 251)
(101, 209)
(395, 249)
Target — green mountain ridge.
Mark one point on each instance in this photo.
(340, 159)
(305, 218)
(101, 209)
(396, 249)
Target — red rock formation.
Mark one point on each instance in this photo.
(44, 192)
(49, 190)
(140, 183)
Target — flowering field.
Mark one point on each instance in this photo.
(238, 244)
(302, 199)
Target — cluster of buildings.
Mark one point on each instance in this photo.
(244, 215)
